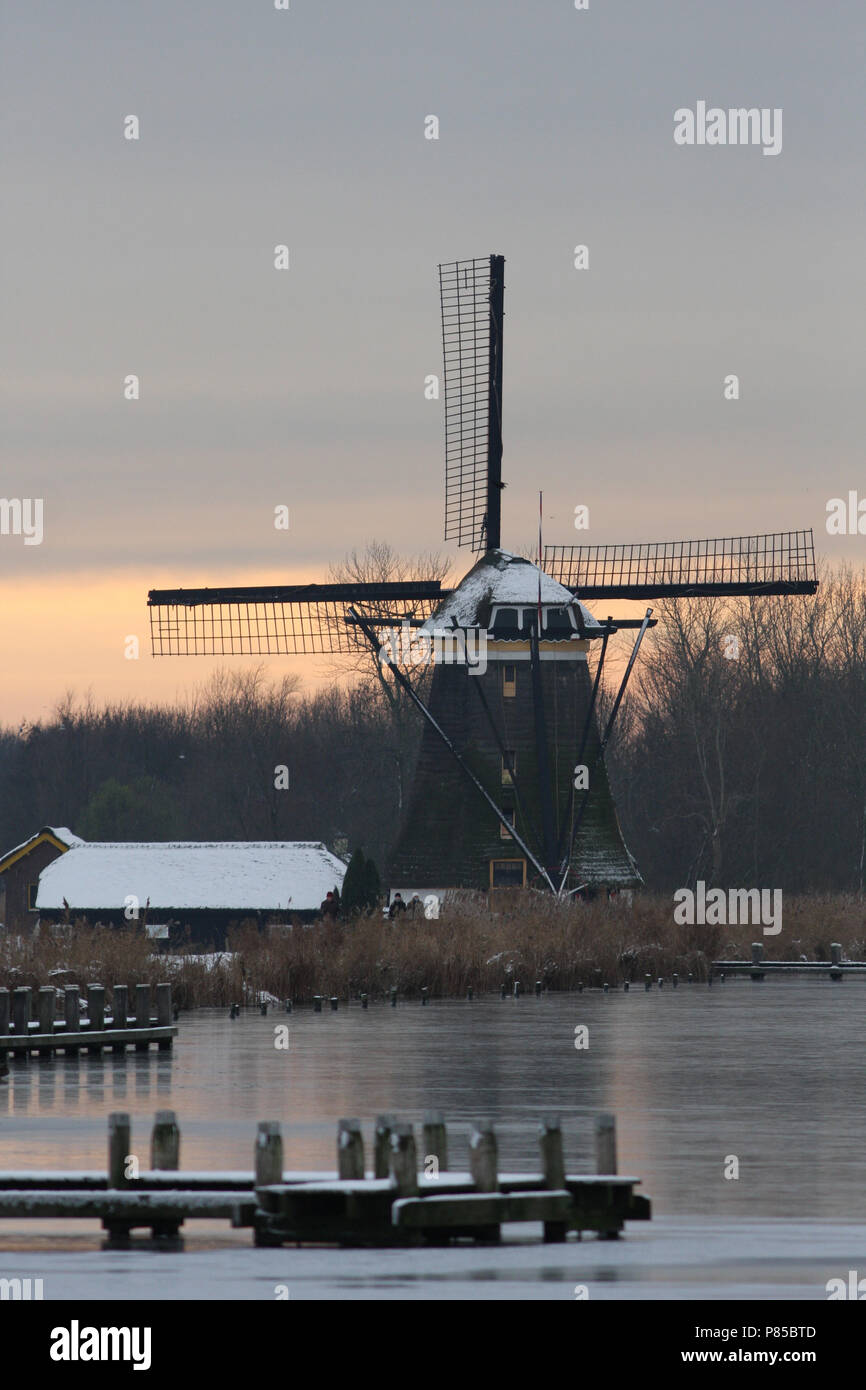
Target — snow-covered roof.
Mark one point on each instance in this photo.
(253, 876)
(60, 832)
(502, 578)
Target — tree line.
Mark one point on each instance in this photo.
(739, 755)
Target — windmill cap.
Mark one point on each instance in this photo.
(502, 579)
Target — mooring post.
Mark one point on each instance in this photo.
(288, 1006)
(46, 1007)
(21, 1011)
(625, 987)
(317, 1003)
(434, 1139)
(517, 989)
(120, 1006)
(363, 1001)
(469, 992)
(269, 1154)
(403, 1162)
(118, 1148)
(165, 1141)
(553, 1171)
(142, 1006)
(382, 1145)
(335, 1003)
(483, 1157)
(757, 952)
(393, 996)
(647, 982)
(5, 1012)
(423, 994)
(605, 1144)
(72, 1009)
(836, 971)
(502, 991)
(96, 1008)
(675, 979)
(350, 1150)
(163, 1006)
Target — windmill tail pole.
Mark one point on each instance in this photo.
(587, 724)
(605, 740)
(370, 634)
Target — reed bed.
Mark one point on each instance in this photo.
(526, 938)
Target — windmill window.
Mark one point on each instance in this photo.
(509, 767)
(506, 620)
(557, 620)
(508, 813)
(508, 873)
(509, 682)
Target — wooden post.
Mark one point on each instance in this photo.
(434, 1140)
(553, 1171)
(120, 1005)
(142, 1006)
(46, 1007)
(72, 1009)
(483, 1159)
(382, 1146)
(163, 1006)
(350, 1150)
(118, 1148)
(269, 1154)
(96, 1007)
(165, 1141)
(403, 1162)
(5, 1012)
(605, 1144)
(21, 1011)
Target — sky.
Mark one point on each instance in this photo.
(304, 387)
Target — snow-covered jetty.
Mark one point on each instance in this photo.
(391, 1204)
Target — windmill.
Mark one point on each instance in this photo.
(510, 787)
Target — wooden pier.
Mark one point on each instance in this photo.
(758, 968)
(390, 1205)
(22, 1035)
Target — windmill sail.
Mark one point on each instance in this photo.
(780, 563)
(472, 307)
(282, 619)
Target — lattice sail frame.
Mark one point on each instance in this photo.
(464, 288)
(782, 562)
(285, 621)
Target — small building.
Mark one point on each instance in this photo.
(19, 875)
(204, 886)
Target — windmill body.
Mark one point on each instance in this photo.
(449, 839)
(511, 788)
